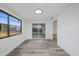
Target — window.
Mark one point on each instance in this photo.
(14, 26)
(9, 25)
(3, 25)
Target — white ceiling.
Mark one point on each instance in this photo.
(26, 10)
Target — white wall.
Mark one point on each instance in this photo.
(8, 44)
(68, 30)
(49, 28)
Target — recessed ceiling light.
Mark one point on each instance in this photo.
(38, 11)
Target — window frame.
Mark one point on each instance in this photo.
(8, 24)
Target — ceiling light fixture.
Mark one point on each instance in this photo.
(38, 11)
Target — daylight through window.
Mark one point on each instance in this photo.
(9, 25)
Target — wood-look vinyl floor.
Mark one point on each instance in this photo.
(38, 47)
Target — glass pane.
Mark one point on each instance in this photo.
(15, 26)
(34, 30)
(42, 31)
(3, 25)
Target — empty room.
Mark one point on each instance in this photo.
(39, 29)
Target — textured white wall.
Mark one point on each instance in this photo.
(68, 30)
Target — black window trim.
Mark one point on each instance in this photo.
(8, 31)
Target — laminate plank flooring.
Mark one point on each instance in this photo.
(38, 47)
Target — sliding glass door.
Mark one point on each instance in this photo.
(38, 30)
